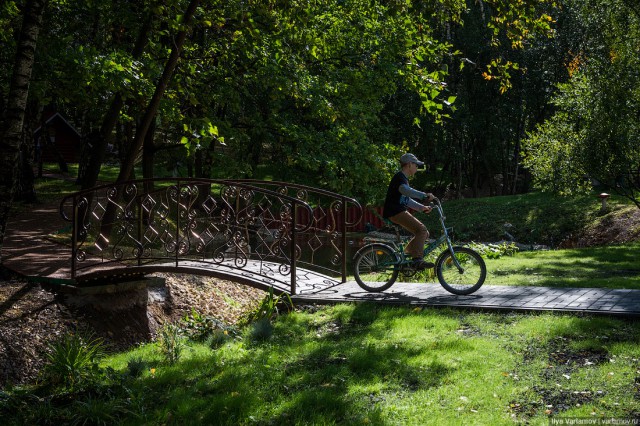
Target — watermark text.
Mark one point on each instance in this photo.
(579, 421)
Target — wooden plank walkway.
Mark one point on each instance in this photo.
(27, 251)
(503, 298)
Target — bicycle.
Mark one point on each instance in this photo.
(460, 270)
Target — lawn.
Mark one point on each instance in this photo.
(363, 364)
(604, 267)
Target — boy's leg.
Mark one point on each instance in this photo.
(415, 248)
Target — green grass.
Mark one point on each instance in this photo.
(605, 267)
(363, 364)
(108, 172)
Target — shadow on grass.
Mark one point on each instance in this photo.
(575, 347)
(335, 373)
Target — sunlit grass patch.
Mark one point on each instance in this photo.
(606, 267)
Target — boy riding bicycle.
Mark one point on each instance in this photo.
(401, 197)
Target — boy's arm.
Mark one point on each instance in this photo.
(408, 191)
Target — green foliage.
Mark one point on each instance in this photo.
(218, 338)
(551, 157)
(99, 411)
(261, 330)
(22, 405)
(495, 251)
(136, 366)
(9, 22)
(73, 361)
(171, 343)
(198, 327)
(500, 75)
(269, 308)
(8, 14)
(302, 85)
(595, 130)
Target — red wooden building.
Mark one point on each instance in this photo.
(57, 135)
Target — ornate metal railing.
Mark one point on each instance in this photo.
(269, 228)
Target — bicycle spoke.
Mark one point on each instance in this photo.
(464, 281)
(376, 268)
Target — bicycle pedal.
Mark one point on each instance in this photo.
(422, 265)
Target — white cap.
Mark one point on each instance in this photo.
(410, 158)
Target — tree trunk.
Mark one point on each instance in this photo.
(154, 104)
(152, 109)
(148, 154)
(98, 148)
(28, 157)
(13, 129)
(50, 147)
(27, 177)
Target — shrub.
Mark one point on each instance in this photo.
(495, 251)
(73, 361)
(269, 308)
(136, 366)
(171, 343)
(97, 411)
(261, 330)
(199, 328)
(218, 338)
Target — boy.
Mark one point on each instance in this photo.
(400, 197)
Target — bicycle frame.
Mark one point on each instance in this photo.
(379, 263)
(444, 238)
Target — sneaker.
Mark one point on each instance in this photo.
(421, 264)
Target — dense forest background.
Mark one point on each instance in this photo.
(497, 96)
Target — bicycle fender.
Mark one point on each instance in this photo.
(367, 246)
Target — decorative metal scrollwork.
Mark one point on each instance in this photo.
(265, 227)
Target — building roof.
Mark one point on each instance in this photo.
(57, 116)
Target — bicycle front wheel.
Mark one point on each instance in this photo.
(376, 267)
(465, 281)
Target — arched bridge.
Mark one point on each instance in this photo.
(266, 234)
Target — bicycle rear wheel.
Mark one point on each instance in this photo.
(376, 267)
(472, 276)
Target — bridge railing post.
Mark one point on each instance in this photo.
(140, 224)
(344, 239)
(294, 225)
(74, 237)
(177, 235)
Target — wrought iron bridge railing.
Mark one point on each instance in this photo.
(269, 228)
